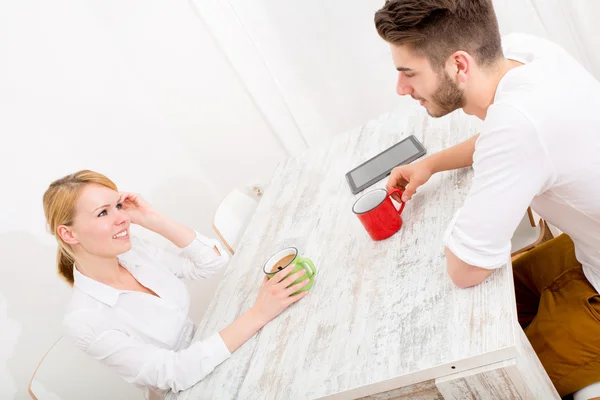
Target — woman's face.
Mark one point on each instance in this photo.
(100, 226)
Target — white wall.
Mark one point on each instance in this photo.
(570, 23)
(140, 91)
(134, 89)
(334, 72)
(194, 87)
(68, 382)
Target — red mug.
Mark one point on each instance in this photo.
(378, 214)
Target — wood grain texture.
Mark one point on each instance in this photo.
(530, 370)
(490, 382)
(419, 391)
(382, 314)
(522, 377)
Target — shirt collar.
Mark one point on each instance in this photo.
(99, 291)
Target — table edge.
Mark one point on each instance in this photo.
(439, 371)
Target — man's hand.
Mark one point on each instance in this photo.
(408, 178)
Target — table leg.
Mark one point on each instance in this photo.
(419, 391)
(522, 377)
(493, 381)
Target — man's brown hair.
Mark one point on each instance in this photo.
(438, 28)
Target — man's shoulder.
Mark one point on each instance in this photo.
(520, 38)
(507, 126)
(507, 112)
(527, 48)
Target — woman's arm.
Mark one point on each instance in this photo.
(274, 296)
(199, 256)
(178, 234)
(143, 363)
(143, 214)
(148, 365)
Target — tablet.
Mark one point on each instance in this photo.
(378, 167)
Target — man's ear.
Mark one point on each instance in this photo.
(459, 66)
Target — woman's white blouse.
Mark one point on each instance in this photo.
(145, 338)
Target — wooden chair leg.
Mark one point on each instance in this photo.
(222, 239)
(30, 386)
(530, 215)
(545, 235)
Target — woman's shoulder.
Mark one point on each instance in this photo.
(86, 318)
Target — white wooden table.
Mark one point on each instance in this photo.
(383, 319)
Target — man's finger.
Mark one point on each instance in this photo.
(396, 197)
(408, 193)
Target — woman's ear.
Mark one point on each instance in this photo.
(66, 234)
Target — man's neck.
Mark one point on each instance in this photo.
(485, 86)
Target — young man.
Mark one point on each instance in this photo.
(539, 146)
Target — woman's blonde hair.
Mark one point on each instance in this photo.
(59, 207)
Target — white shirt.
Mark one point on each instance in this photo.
(145, 338)
(540, 145)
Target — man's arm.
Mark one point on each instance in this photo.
(462, 274)
(455, 157)
(408, 178)
(511, 168)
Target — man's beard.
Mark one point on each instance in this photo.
(447, 97)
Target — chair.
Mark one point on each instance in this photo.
(526, 237)
(232, 216)
(529, 235)
(591, 392)
(66, 372)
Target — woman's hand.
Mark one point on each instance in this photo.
(138, 209)
(143, 214)
(274, 294)
(273, 298)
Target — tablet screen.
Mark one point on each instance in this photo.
(384, 162)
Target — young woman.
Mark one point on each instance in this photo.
(129, 309)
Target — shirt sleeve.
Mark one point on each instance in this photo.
(195, 261)
(511, 167)
(145, 364)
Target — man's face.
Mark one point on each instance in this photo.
(435, 90)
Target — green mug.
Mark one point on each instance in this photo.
(288, 256)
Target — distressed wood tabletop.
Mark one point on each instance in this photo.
(382, 315)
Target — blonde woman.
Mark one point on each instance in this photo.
(129, 308)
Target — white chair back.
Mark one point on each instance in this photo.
(525, 234)
(232, 216)
(591, 392)
(528, 234)
(66, 372)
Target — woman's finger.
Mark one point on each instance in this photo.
(126, 196)
(295, 298)
(278, 277)
(296, 287)
(292, 278)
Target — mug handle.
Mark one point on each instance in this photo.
(307, 264)
(400, 193)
